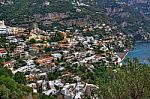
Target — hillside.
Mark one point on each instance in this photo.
(77, 12)
(74, 49)
(54, 10)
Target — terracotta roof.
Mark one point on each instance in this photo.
(7, 63)
(46, 60)
(2, 50)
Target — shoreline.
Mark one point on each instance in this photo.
(125, 55)
(141, 52)
(122, 55)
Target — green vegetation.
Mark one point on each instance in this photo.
(130, 81)
(2, 41)
(22, 11)
(46, 97)
(54, 75)
(32, 41)
(58, 37)
(9, 88)
(20, 78)
(6, 72)
(8, 82)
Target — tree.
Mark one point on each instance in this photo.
(54, 75)
(8, 82)
(80, 44)
(9, 88)
(32, 41)
(20, 78)
(58, 37)
(131, 81)
(6, 72)
(42, 96)
(2, 41)
(4, 92)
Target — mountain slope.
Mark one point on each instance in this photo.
(77, 12)
(25, 10)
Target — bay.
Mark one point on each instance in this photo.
(141, 52)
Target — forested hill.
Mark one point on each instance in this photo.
(25, 10)
(75, 12)
(128, 16)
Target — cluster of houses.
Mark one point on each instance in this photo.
(6, 30)
(65, 90)
(38, 62)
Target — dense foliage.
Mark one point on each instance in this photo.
(58, 37)
(130, 81)
(23, 10)
(20, 78)
(9, 88)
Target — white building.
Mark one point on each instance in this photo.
(3, 28)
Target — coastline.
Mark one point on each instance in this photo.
(122, 55)
(141, 52)
(125, 56)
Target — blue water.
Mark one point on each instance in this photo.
(141, 52)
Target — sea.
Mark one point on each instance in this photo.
(141, 51)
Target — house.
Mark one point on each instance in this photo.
(33, 85)
(46, 61)
(77, 78)
(30, 62)
(56, 56)
(46, 3)
(38, 35)
(77, 90)
(12, 39)
(3, 28)
(89, 39)
(49, 92)
(32, 77)
(34, 50)
(19, 51)
(48, 87)
(9, 64)
(104, 48)
(3, 52)
(16, 30)
(42, 75)
(24, 69)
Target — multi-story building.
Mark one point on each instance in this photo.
(3, 28)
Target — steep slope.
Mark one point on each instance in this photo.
(127, 16)
(122, 13)
(28, 10)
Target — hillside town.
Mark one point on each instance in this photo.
(74, 49)
(50, 59)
